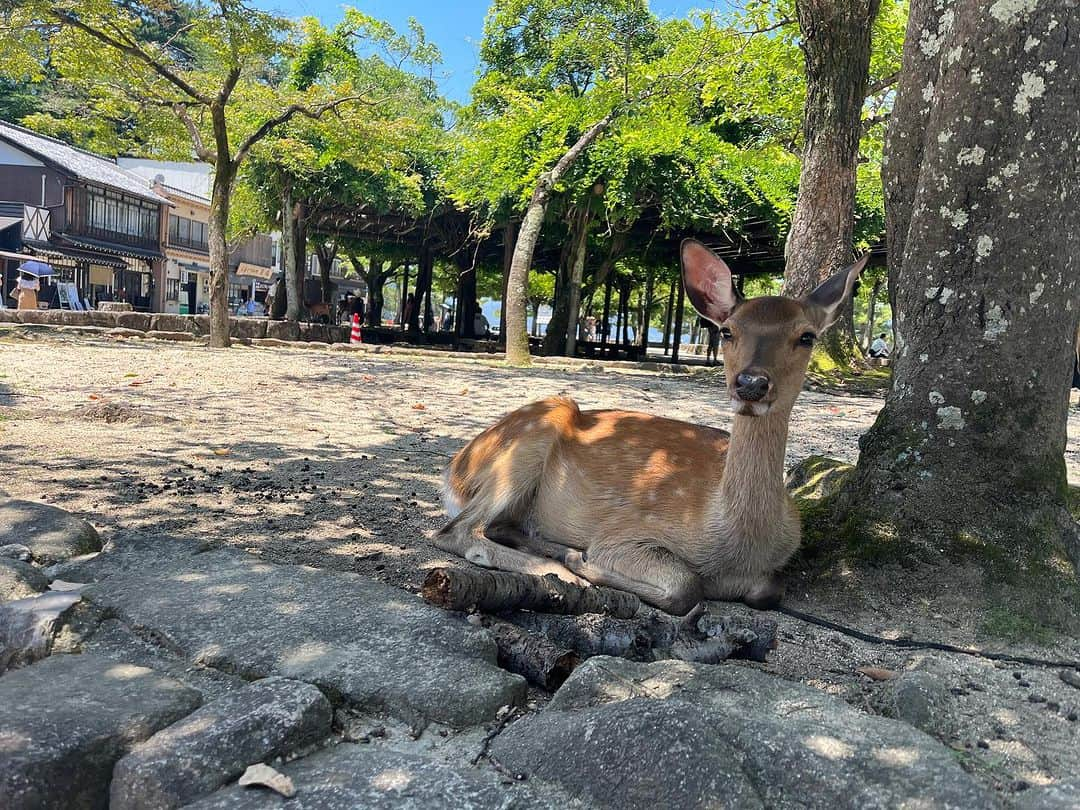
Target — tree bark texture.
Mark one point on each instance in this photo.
(561, 335)
(496, 591)
(220, 195)
(376, 279)
(464, 317)
(983, 192)
(509, 238)
(517, 286)
(836, 50)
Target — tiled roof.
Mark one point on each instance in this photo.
(84, 165)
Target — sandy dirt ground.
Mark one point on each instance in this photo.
(334, 460)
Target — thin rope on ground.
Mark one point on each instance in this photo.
(924, 645)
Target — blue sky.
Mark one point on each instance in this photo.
(456, 27)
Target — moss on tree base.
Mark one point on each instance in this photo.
(1024, 591)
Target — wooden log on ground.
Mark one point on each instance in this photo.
(699, 637)
(540, 660)
(500, 591)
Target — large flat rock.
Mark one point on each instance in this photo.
(357, 776)
(65, 721)
(215, 744)
(685, 735)
(368, 645)
(49, 532)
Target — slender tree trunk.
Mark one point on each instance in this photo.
(836, 49)
(871, 312)
(218, 226)
(646, 309)
(668, 312)
(577, 273)
(509, 238)
(466, 296)
(517, 288)
(376, 280)
(536, 317)
(555, 336)
(404, 296)
(983, 187)
(605, 324)
(680, 306)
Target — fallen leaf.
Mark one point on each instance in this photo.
(463, 392)
(368, 378)
(221, 451)
(138, 382)
(877, 673)
(419, 406)
(265, 776)
(95, 396)
(131, 374)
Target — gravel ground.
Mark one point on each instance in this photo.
(333, 460)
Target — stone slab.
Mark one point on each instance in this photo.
(368, 645)
(215, 744)
(19, 580)
(657, 732)
(1063, 795)
(49, 532)
(358, 776)
(65, 721)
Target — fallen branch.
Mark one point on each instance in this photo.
(540, 660)
(698, 637)
(500, 591)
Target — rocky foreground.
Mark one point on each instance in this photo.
(154, 673)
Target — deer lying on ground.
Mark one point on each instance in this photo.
(671, 511)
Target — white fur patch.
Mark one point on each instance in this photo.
(450, 500)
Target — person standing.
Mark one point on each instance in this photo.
(26, 290)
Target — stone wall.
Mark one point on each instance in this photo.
(194, 325)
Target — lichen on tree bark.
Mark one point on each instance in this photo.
(982, 180)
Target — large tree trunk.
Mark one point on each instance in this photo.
(983, 186)
(517, 286)
(376, 280)
(836, 48)
(218, 226)
(562, 328)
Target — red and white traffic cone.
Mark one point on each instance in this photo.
(354, 337)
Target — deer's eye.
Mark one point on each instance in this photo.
(725, 333)
(807, 339)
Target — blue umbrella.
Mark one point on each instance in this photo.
(35, 268)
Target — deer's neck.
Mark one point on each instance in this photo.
(755, 458)
(753, 511)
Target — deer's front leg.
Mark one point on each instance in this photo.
(653, 573)
(465, 538)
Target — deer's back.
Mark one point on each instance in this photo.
(583, 476)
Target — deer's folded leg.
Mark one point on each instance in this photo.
(468, 541)
(653, 573)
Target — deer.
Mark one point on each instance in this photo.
(671, 511)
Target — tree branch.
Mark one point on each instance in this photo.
(67, 18)
(314, 113)
(883, 84)
(201, 152)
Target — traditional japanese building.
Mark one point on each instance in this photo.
(186, 273)
(98, 225)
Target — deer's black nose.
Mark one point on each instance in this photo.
(751, 387)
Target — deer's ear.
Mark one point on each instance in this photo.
(708, 281)
(829, 296)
